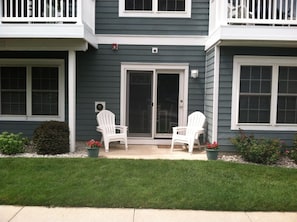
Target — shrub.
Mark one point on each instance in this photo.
(51, 137)
(263, 151)
(11, 143)
(242, 143)
(295, 141)
(292, 154)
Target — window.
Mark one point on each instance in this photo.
(31, 90)
(145, 5)
(171, 5)
(155, 8)
(255, 94)
(264, 93)
(13, 90)
(45, 92)
(287, 95)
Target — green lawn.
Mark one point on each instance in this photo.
(203, 185)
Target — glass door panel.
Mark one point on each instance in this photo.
(139, 103)
(167, 103)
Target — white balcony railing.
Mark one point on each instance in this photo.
(47, 11)
(252, 12)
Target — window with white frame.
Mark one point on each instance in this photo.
(31, 90)
(155, 8)
(264, 93)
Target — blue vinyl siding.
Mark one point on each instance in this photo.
(98, 78)
(225, 93)
(109, 22)
(25, 127)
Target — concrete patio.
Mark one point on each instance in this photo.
(148, 152)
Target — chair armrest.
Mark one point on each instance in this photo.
(196, 130)
(99, 129)
(121, 128)
(182, 129)
(178, 129)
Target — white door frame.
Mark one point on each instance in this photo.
(182, 68)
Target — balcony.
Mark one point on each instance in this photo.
(48, 19)
(261, 20)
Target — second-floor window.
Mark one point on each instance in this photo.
(155, 8)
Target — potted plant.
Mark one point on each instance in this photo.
(93, 148)
(212, 151)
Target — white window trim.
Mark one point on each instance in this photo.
(155, 13)
(275, 62)
(155, 67)
(40, 63)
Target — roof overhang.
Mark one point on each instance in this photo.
(264, 36)
(44, 44)
(68, 34)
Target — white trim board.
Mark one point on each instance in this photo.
(216, 86)
(155, 67)
(189, 40)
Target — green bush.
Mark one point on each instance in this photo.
(11, 143)
(51, 137)
(242, 142)
(263, 151)
(292, 154)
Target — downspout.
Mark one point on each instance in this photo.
(72, 98)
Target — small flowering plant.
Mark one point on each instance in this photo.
(212, 146)
(93, 144)
(292, 154)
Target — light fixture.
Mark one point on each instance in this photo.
(115, 46)
(194, 73)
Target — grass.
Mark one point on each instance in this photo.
(200, 185)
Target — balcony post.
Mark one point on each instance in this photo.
(222, 11)
(72, 98)
(79, 11)
(1, 9)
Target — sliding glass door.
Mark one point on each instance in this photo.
(154, 100)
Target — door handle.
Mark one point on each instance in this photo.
(181, 103)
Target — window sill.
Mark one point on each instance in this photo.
(155, 14)
(31, 118)
(265, 127)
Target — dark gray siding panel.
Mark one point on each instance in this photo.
(209, 84)
(99, 79)
(225, 93)
(27, 127)
(109, 22)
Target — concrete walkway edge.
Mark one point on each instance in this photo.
(58, 214)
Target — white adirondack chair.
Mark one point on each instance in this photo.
(110, 131)
(190, 133)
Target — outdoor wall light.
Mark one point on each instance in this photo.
(194, 73)
(115, 46)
